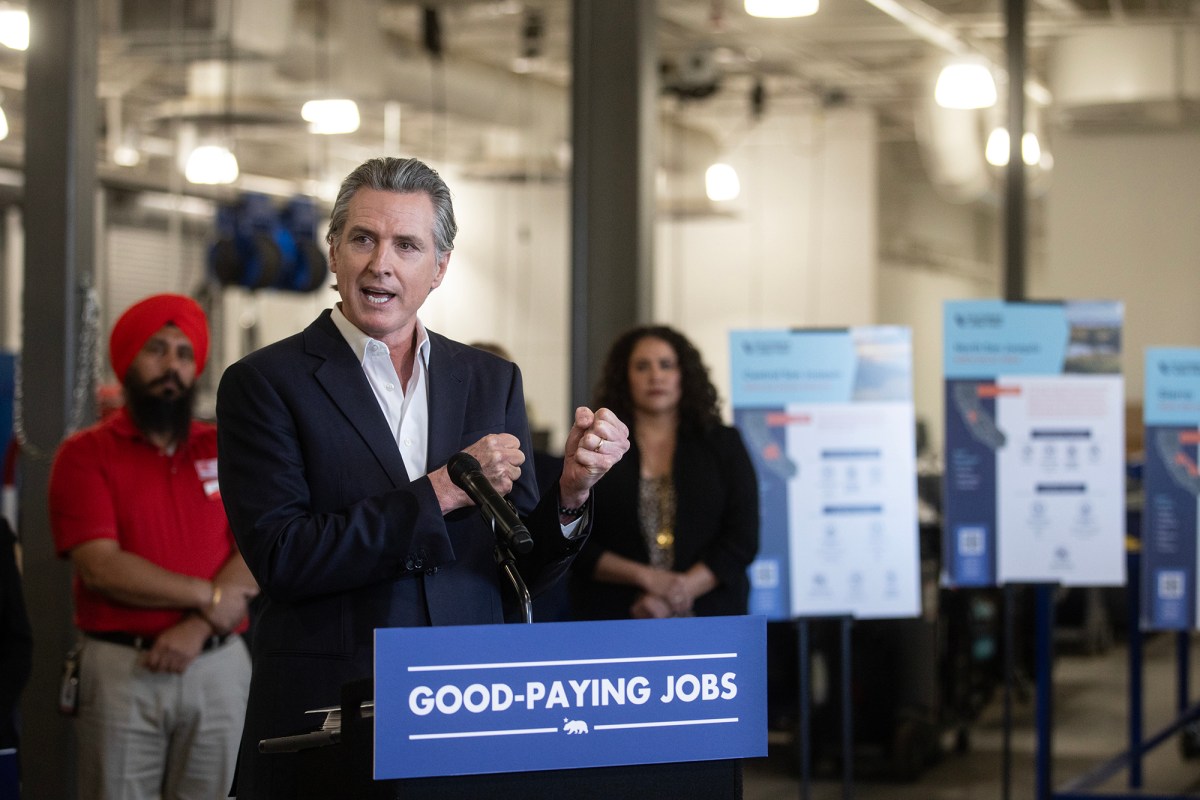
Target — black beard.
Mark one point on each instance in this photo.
(152, 414)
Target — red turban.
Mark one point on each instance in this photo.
(146, 317)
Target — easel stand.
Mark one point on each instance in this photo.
(1043, 598)
(1044, 678)
(1131, 759)
(1043, 697)
(804, 734)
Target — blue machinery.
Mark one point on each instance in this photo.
(260, 247)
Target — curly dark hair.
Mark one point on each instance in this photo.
(699, 408)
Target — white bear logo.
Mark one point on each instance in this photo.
(574, 726)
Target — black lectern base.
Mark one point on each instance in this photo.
(683, 781)
(343, 771)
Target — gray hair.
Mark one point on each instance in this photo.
(403, 176)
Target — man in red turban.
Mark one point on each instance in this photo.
(146, 317)
(168, 334)
(161, 590)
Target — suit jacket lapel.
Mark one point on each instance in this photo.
(447, 401)
(343, 380)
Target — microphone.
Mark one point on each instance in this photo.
(467, 475)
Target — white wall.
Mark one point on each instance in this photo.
(508, 283)
(932, 250)
(914, 295)
(797, 248)
(1122, 223)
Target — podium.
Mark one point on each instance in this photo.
(664, 708)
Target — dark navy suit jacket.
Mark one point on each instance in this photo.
(339, 538)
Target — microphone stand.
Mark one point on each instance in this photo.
(504, 558)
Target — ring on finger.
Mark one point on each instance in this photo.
(599, 445)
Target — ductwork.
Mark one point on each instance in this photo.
(491, 121)
(1148, 76)
(259, 28)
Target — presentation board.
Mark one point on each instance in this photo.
(1034, 487)
(827, 415)
(1171, 488)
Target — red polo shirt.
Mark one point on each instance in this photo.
(109, 482)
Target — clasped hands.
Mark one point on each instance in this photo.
(665, 594)
(178, 646)
(596, 442)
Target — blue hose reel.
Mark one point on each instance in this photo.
(260, 247)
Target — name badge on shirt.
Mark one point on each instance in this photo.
(206, 470)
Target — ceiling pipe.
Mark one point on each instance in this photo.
(387, 67)
(936, 28)
(464, 89)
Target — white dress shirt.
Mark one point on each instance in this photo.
(406, 408)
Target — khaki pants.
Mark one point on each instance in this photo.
(146, 735)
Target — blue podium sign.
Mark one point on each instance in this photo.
(480, 699)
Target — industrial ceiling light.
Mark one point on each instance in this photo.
(721, 183)
(781, 9)
(3, 125)
(211, 164)
(1031, 149)
(126, 155)
(14, 28)
(966, 82)
(331, 116)
(996, 150)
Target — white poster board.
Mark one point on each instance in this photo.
(1035, 444)
(828, 417)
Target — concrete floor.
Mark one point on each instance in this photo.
(1091, 713)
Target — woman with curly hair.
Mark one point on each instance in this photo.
(677, 518)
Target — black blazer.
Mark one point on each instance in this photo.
(716, 522)
(339, 538)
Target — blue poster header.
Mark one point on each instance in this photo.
(775, 368)
(1172, 394)
(464, 700)
(986, 339)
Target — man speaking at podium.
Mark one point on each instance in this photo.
(333, 445)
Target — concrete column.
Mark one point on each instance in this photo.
(614, 155)
(60, 186)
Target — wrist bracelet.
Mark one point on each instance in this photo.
(574, 513)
